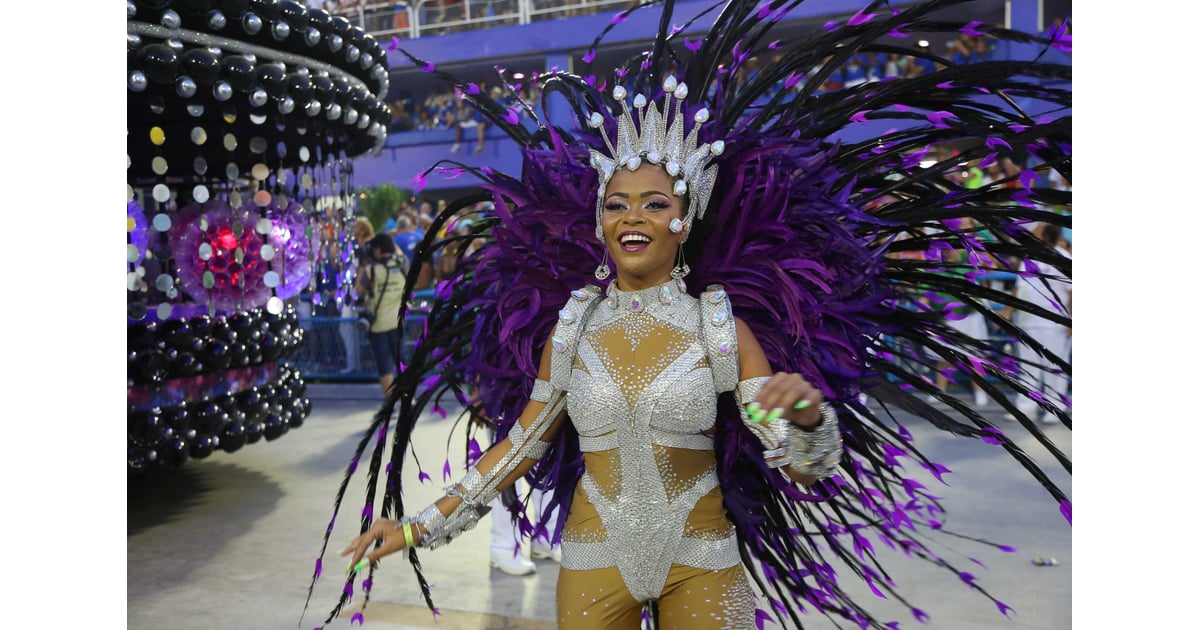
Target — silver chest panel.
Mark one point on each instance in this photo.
(631, 405)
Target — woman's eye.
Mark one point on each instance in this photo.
(615, 206)
(657, 204)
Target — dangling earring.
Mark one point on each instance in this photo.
(676, 226)
(681, 267)
(602, 272)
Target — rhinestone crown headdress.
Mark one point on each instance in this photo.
(688, 164)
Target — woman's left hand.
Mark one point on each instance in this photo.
(790, 396)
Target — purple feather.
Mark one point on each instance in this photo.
(693, 45)
(589, 56)
(395, 43)
(938, 118)
(971, 29)
(621, 16)
(1064, 507)
(897, 33)
(831, 25)
(356, 619)
(446, 471)
(860, 18)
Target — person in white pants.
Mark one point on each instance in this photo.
(1053, 294)
(507, 550)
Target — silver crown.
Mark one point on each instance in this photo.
(661, 142)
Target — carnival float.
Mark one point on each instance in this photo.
(243, 119)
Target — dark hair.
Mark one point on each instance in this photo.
(382, 242)
(1051, 233)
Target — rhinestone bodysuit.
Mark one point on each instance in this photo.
(643, 399)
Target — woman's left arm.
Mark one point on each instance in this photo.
(798, 429)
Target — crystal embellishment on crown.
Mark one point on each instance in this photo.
(661, 141)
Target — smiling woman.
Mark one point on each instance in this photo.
(694, 436)
(637, 223)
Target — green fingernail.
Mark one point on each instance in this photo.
(362, 564)
(803, 404)
(775, 414)
(756, 415)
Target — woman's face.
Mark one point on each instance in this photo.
(638, 208)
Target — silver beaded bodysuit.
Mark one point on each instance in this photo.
(642, 394)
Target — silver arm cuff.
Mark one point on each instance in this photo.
(541, 391)
(817, 452)
(479, 489)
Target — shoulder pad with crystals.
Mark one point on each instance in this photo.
(719, 335)
(571, 320)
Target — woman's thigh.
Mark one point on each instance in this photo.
(595, 599)
(705, 599)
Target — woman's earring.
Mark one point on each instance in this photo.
(676, 226)
(602, 272)
(681, 267)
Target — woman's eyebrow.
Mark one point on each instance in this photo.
(644, 194)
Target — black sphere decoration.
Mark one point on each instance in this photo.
(323, 89)
(152, 366)
(185, 364)
(221, 329)
(240, 353)
(147, 426)
(272, 349)
(210, 418)
(201, 447)
(322, 21)
(174, 454)
(176, 333)
(294, 13)
(159, 63)
(274, 427)
(254, 431)
(274, 80)
(239, 72)
(202, 65)
(218, 355)
(233, 437)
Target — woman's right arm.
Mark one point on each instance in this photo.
(498, 468)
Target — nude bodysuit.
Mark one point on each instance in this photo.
(647, 520)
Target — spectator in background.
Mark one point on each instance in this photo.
(467, 117)
(855, 71)
(1052, 293)
(382, 285)
(895, 66)
(407, 235)
(922, 65)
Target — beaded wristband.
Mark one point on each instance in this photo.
(817, 452)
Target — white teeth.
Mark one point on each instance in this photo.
(634, 238)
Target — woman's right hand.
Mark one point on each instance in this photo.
(384, 530)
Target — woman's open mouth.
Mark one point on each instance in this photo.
(633, 241)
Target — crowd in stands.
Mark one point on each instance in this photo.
(446, 110)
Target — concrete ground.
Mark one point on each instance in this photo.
(230, 541)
